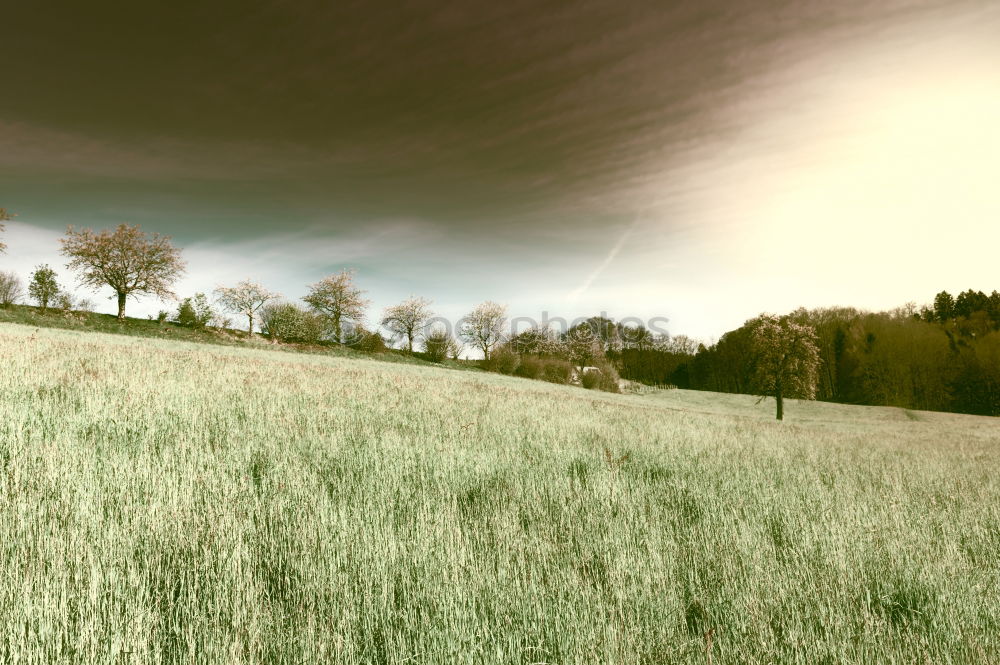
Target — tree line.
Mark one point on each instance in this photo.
(944, 357)
(133, 263)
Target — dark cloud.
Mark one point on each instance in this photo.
(505, 130)
(445, 110)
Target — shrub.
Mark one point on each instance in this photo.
(194, 312)
(220, 322)
(503, 360)
(11, 289)
(186, 315)
(531, 367)
(365, 340)
(439, 345)
(602, 377)
(288, 322)
(590, 379)
(555, 370)
(64, 301)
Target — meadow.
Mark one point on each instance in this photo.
(169, 502)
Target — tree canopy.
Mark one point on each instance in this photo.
(338, 300)
(246, 298)
(408, 319)
(43, 286)
(128, 260)
(483, 327)
(785, 359)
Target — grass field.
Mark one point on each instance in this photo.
(168, 502)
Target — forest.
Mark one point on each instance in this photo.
(942, 357)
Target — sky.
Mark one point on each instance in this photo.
(696, 161)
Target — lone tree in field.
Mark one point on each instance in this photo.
(786, 359)
(408, 319)
(43, 287)
(337, 300)
(4, 217)
(483, 327)
(126, 259)
(246, 298)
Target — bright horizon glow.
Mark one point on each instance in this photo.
(859, 193)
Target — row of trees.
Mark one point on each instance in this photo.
(975, 308)
(133, 263)
(943, 357)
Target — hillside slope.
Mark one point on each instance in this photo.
(172, 502)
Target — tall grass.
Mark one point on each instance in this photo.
(165, 502)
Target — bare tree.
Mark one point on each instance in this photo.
(43, 286)
(11, 288)
(4, 217)
(682, 344)
(337, 300)
(483, 327)
(408, 319)
(126, 259)
(786, 359)
(246, 298)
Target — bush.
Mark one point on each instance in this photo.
(220, 322)
(366, 341)
(64, 301)
(288, 322)
(531, 367)
(194, 312)
(589, 380)
(11, 288)
(439, 345)
(503, 361)
(602, 377)
(555, 370)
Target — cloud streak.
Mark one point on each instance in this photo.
(479, 150)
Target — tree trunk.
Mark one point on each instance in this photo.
(409, 342)
(250, 328)
(779, 399)
(121, 305)
(336, 328)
